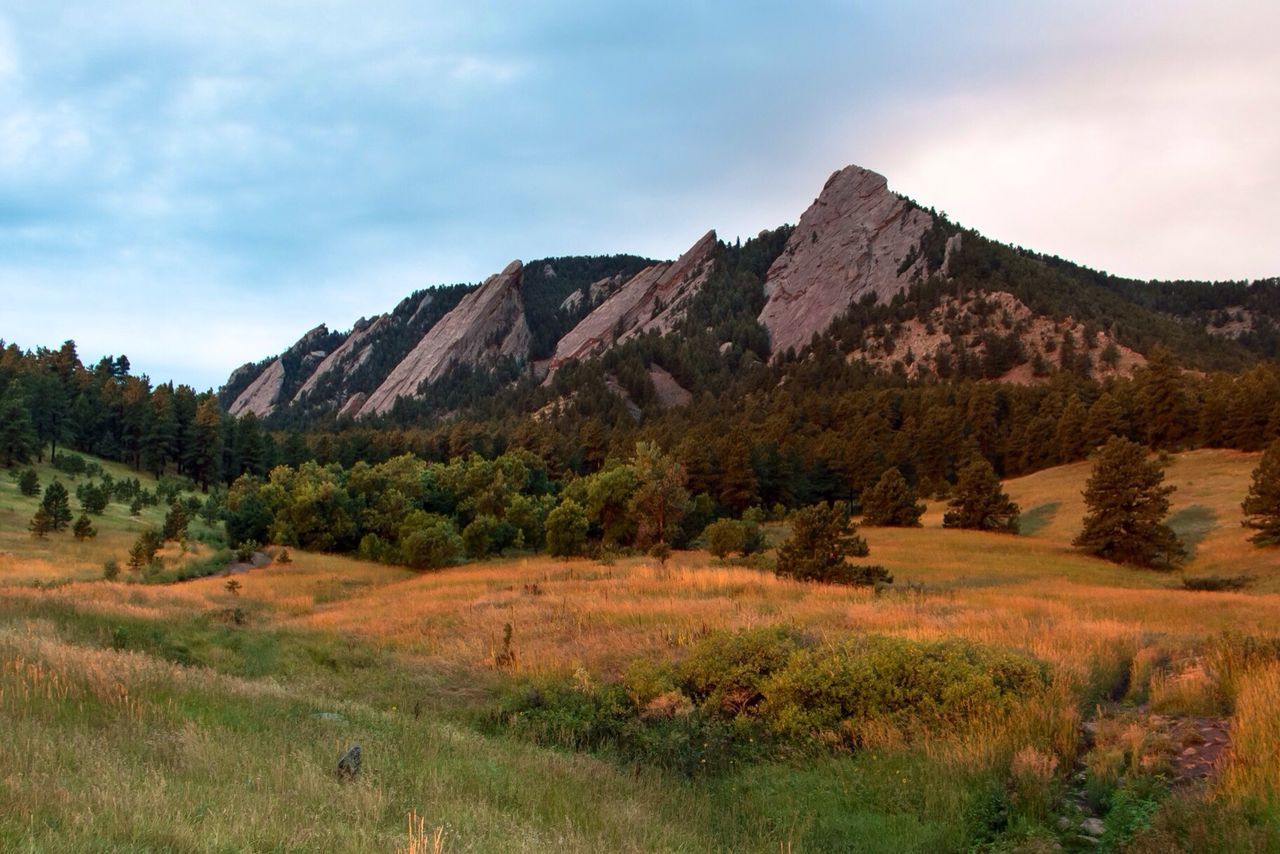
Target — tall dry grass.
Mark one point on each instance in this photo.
(1252, 772)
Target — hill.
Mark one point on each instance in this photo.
(217, 729)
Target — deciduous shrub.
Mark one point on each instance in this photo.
(833, 693)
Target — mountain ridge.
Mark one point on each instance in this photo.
(856, 252)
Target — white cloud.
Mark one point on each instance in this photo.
(1158, 160)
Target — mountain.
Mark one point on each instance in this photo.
(870, 273)
(856, 239)
(488, 324)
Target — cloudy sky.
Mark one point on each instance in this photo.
(198, 184)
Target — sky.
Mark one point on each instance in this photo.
(196, 185)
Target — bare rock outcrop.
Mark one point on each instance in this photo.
(670, 393)
(487, 324)
(654, 298)
(856, 238)
(351, 408)
(350, 355)
(261, 394)
(927, 348)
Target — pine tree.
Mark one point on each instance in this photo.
(176, 521)
(822, 538)
(891, 503)
(41, 523)
(144, 549)
(29, 483)
(204, 452)
(1127, 504)
(1166, 404)
(57, 504)
(18, 442)
(980, 503)
(83, 529)
(1070, 438)
(1262, 505)
(1106, 419)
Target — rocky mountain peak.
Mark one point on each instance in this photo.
(856, 238)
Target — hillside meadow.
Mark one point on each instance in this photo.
(192, 717)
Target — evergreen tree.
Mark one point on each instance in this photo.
(18, 442)
(57, 504)
(176, 521)
(1070, 439)
(83, 528)
(1262, 505)
(980, 502)
(29, 483)
(1166, 404)
(93, 499)
(49, 407)
(737, 486)
(41, 523)
(1106, 419)
(204, 453)
(1127, 504)
(143, 551)
(823, 537)
(891, 503)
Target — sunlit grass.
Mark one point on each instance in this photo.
(232, 748)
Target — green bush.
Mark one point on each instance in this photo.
(1216, 583)
(725, 672)
(834, 691)
(482, 537)
(770, 692)
(566, 529)
(723, 537)
(429, 541)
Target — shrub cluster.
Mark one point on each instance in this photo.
(740, 696)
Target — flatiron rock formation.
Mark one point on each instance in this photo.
(488, 324)
(856, 238)
(655, 298)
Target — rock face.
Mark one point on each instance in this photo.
(260, 397)
(263, 394)
(856, 238)
(350, 355)
(655, 298)
(486, 325)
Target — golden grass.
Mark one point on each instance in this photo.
(25, 559)
(1252, 772)
(1095, 623)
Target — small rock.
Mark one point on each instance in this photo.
(1190, 751)
(349, 764)
(1093, 827)
(1064, 823)
(329, 716)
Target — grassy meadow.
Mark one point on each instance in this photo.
(189, 717)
